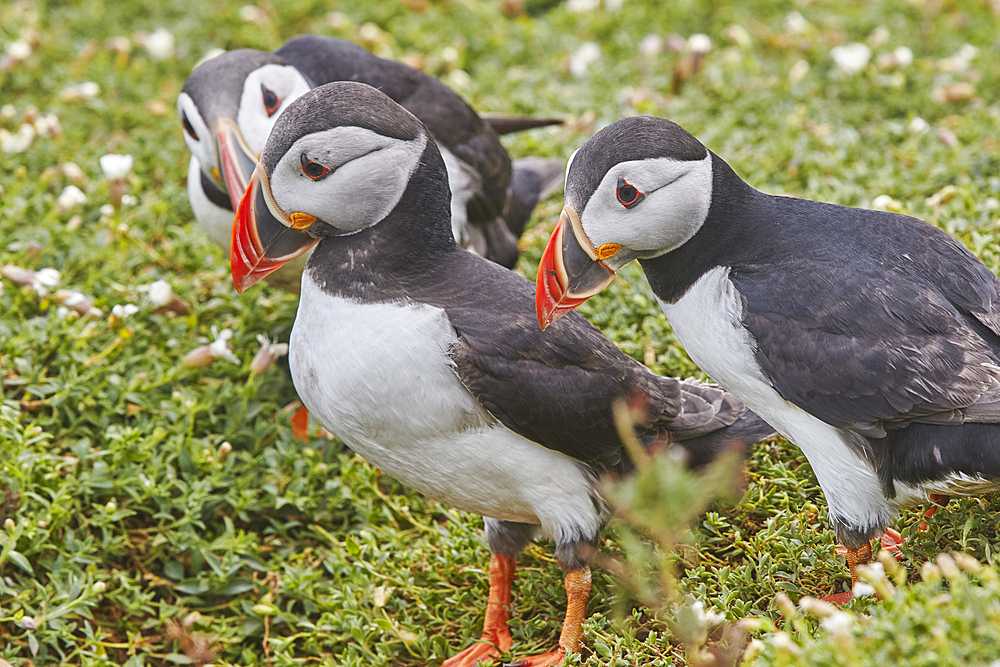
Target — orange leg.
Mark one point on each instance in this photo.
(496, 635)
(300, 424)
(938, 501)
(855, 557)
(571, 637)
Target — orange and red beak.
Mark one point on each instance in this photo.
(263, 235)
(571, 271)
(235, 158)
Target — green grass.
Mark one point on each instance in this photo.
(130, 536)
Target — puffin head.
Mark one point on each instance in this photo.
(227, 108)
(337, 161)
(637, 189)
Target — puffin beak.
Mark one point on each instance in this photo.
(236, 159)
(263, 238)
(571, 270)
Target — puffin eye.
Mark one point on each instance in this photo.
(271, 101)
(628, 195)
(188, 127)
(313, 170)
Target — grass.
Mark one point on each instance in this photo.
(133, 534)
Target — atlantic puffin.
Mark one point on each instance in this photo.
(871, 340)
(426, 359)
(229, 104)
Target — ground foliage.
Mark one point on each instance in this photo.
(134, 534)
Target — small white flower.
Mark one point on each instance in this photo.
(160, 44)
(129, 200)
(796, 24)
(580, 6)
(798, 71)
(851, 58)
(107, 209)
(863, 590)
(81, 91)
(116, 166)
(918, 125)
(268, 353)
(18, 50)
(650, 45)
(44, 280)
(839, 621)
(879, 37)
(903, 56)
(71, 196)
(706, 618)
(72, 171)
(122, 311)
(614, 5)
(252, 14)
(121, 44)
(160, 293)
(47, 125)
(887, 203)
(585, 56)
(19, 141)
(8, 111)
(738, 35)
(699, 43)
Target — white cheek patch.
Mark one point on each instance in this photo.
(203, 148)
(369, 173)
(286, 82)
(678, 196)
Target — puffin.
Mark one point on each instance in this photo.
(869, 339)
(426, 358)
(229, 104)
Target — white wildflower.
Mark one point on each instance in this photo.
(116, 166)
(706, 618)
(961, 61)
(122, 311)
(614, 5)
(851, 58)
(81, 91)
(887, 203)
(45, 280)
(71, 196)
(903, 56)
(738, 35)
(585, 56)
(47, 125)
(220, 346)
(121, 44)
(8, 111)
(107, 209)
(699, 43)
(796, 24)
(129, 200)
(160, 293)
(651, 45)
(580, 6)
(17, 142)
(838, 622)
(798, 71)
(160, 44)
(72, 171)
(918, 125)
(863, 590)
(71, 299)
(267, 354)
(256, 15)
(879, 37)
(18, 50)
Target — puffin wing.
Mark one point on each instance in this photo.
(884, 340)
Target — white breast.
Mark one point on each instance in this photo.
(379, 377)
(215, 220)
(708, 322)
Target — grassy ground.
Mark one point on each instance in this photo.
(132, 534)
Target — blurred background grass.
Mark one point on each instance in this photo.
(133, 535)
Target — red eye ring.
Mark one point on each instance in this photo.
(313, 170)
(271, 100)
(628, 195)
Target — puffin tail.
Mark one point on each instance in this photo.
(711, 421)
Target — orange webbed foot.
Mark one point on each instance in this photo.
(487, 649)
